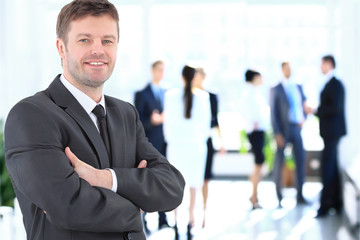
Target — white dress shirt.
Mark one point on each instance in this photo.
(255, 109)
(88, 104)
(293, 92)
(327, 78)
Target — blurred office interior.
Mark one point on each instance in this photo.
(227, 37)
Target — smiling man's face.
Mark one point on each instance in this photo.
(89, 55)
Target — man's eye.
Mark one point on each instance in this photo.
(84, 40)
(107, 41)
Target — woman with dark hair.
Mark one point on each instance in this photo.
(198, 83)
(186, 129)
(256, 111)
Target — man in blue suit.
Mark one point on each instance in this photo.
(331, 113)
(150, 103)
(287, 103)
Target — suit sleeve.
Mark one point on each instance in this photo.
(303, 99)
(332, 103)
(275, 115)
(214, 110)
(206, 116)
(140, 104)
(40, 170)
(159, 186)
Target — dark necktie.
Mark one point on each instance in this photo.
(100, 114)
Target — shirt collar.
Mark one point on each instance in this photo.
(285, 82)
(154, 87)
(330, 75)
(85, 101)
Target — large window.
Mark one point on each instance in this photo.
(226, 36)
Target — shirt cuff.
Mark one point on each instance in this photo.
(114, 178)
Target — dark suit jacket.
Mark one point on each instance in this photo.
(214, 110)
(331, 111)
(38, 129)
(280, 106)
(146, 103)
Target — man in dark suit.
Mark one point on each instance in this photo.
(79, 161)
(331, 113)
(287, 103)
(150, 103)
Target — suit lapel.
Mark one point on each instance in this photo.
(155, 102)
(327, 85)
(150, 93)
(84, 121)
(283, 93)
(63, 98)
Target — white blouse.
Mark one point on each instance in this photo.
(176, 127)
(255, 109)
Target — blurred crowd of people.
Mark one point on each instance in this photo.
(178, 123)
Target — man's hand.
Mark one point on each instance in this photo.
(95, 177)
(222, 150)
(280, 141)
(157, 118)
(142, 164)
(308, 109)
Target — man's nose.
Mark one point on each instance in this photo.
(97, 47)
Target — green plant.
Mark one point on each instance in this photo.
(7, 194)
(244, 142)
(269, 150)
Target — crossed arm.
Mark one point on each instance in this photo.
(40, 172)
(95, 177)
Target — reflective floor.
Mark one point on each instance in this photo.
(229, 216)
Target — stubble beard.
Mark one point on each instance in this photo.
(83, 78)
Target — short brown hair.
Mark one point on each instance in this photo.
(283, 64)
(81, 8)
(157, 63)
(330, 59)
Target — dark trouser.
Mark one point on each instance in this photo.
(257, 141)
(162, 215)
(294, 137)
(209, 159)
(331, 193)
(162, 218)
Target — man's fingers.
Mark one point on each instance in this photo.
(71, 156)
(142, 164)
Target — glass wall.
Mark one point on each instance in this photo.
(227, 37)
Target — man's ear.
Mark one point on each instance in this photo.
(60, 45)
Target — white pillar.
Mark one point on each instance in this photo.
(147, 4)
(350, 66)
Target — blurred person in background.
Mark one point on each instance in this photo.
(150, 104)
(287, 103)
(331, 113)
(256, 113)
(187, 129)
(198, 83)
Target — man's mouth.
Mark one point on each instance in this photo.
(96, 63)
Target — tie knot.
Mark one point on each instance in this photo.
(99, 111)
